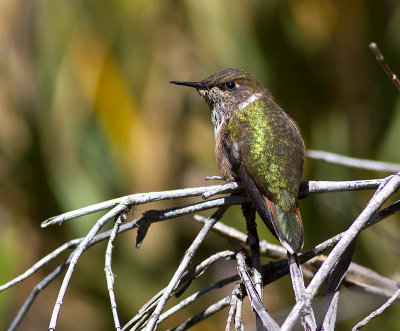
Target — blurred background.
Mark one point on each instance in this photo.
(87, 114)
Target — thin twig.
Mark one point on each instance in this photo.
(141, 317)
(238, 315)
(211, 310)
(329, 321)
(152, 323)
(353, 162)
(255, 300)
(40, 286)
(195, 296)
(194, 272)
(141, 198)
(77, 253)
(384, 192)
(48, 258)
(132, 200)
(110, 274)
(233, 305)
(381, 60)
(377, 312)
(296, 274)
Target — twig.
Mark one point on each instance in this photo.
(233, 305)
(211, 310)
(329, 321)
(238, 315)
(109, 272)
(193, 273)
(182, 266)
(140, 318)
(40, 286)
(141, 198)
(381, 60)
(255, 300)
(48, 258)
(77, 253)
(131, 200)
(229, 187)
(383, 193)
(377, 312)
(353, 162)
(189, 300)
(307, 318)
(184, 282)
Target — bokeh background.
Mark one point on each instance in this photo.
(87, 114)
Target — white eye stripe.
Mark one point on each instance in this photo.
(251, 99)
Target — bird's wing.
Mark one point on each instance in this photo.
(272, 153)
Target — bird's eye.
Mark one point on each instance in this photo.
(231, 85)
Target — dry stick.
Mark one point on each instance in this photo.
(77, 253)
(377, 312)
(330, 316)
(211, 310)
(194, 272)
(307, 187)
(239, 303)
(28, 302)
(140, 318)
(225, 230)
(141, 198)
(110, 274)
(152, 323)
(357, 275)
(41, 263)
(381, 60)
(163, 215)
(296, 274)
(353, 162)
(382, 194)
(137, 199)
(255, 300)
(189, 300)
(232, 309)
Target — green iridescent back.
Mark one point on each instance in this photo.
(271, 149)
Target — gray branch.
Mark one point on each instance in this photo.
(377, 312)
(353, 162)
(152, 323)
(391, 185)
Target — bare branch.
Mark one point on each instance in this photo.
(76, 254)
(353, 162)
(381, 60)
(109, 272)
(233, 306)
(193, 273)
(141, 198)
(377, 312)
(131, 200)
(296, 274)
(255, 300)
(40, 286)
(182, 266)
(383, 193)
(213, 309)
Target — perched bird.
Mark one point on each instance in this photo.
(258, 144)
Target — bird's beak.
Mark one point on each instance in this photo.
(196, 85)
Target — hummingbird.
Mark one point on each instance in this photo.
(257, 143)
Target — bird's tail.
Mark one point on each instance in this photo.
(288, 227)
